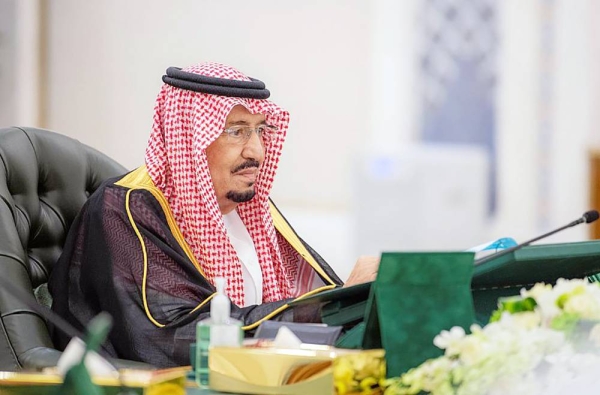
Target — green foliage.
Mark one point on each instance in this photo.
(512, 305)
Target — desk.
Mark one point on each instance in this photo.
(198, 391)
(191, 388)
(171, 381)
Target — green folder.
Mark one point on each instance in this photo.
(417, 295)
(500, 277)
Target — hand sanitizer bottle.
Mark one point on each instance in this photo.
(220, 330)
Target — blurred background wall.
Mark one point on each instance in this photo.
(416, 124)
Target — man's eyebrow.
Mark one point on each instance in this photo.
(245, 123)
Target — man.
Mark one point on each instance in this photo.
(147, 247)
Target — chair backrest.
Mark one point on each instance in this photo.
(45, 178)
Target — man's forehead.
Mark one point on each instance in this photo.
(240, 115)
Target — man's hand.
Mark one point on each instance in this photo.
(365, 270)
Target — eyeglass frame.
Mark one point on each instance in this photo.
(261, 135)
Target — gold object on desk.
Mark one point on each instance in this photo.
(314, 370)
(143, 382)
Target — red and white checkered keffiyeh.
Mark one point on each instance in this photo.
(185, 123)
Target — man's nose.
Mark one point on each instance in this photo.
(254, 147)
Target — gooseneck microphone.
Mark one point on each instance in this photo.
(588, 217)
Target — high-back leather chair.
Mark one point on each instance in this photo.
(45, 178)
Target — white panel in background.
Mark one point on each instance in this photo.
(423, 197)
(8, 49)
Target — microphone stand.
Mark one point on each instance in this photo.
(588, 217)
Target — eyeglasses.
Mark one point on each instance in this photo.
(241, 134)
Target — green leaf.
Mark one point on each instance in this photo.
(512, 305)
(565, 322)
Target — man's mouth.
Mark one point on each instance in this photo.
(248, 172)
(248, 166)
(248, 175)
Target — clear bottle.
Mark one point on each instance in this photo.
(218, 330)
(202, 347)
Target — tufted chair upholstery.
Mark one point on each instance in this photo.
(44, 180)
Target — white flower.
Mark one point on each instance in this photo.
(522, 384)
(568, 286)
(576, 296)
(475, 328)
(472, 349)
(547, 306)
(571, 373)
(536, 291)
(528, 319)
(585, 305)
(594, 335)
(503, 357)
(447, 339)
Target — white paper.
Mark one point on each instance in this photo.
(95, 364)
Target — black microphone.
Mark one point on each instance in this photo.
(588, 217)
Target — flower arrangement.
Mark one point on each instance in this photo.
(359, 373)
(538, 342)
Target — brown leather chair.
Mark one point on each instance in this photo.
(45, 178)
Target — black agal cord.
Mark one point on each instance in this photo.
(253, 89)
